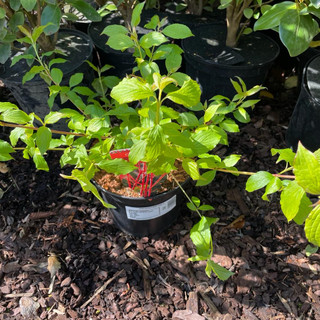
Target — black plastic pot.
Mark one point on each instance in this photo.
(33, 95)
(144, 216)
(123, 62)
(212, 64)
(304, 123)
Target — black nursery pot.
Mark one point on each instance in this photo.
(144, 216)
(213, 64)
(33, 95)
(304, 123)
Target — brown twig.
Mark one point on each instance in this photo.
(103, 287)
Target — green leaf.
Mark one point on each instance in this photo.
(75, 79)
(136, 14)
(312, 226)
(206, 178)
(173, 62)
(229, 125)
(28, 4)
(155, 144)
(286, 155)
(43, 138)
(5, 150)
(177, 31)
(120, 42)
(290, 199)
(231, 160)
(211, 111)
(86, 185)
(15, 116)
(5, 52)
(311, 250)
(273, 186)
(51, 18)
(138, 151)
(16, 134)
(114, 30)
(117, 166)
(191, 168)
(56, 75)
(304, 210)
(152, 39)
(221, 272)
(4, 106)
(297, 31)
(132, 89)
(271, 18)
(307, 170)
(53, 117)
(200, 235)
(188, 119)
(16, 20)
(40, 162)
(258, 181)
(188, 95)
(248, 13)
(86, 9)
(206, 207)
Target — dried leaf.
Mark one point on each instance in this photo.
(53, 265)
(28, 307)
(236, 224)
(3, 168)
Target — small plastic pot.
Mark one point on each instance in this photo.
(141, 217)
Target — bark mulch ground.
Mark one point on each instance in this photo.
(106, 274)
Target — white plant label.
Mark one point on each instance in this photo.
(152, 212)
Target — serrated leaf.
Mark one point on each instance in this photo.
(43, 138)
(191, 168)
(312, 226)
(15, 116)
(138, 151)
(188, 95)
(307, 170)
(132, 89)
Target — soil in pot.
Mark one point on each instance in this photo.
(213, 64)
(304, 123)
(33, 95)
(142, 216)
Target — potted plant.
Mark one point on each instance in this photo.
(225, 49)
(298, 27)
(134, 132)
(52, 41)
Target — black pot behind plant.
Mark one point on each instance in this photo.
(33, 95)
(304, 124)
(123, 62)
(212, 63)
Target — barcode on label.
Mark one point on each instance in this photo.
(151, 212)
